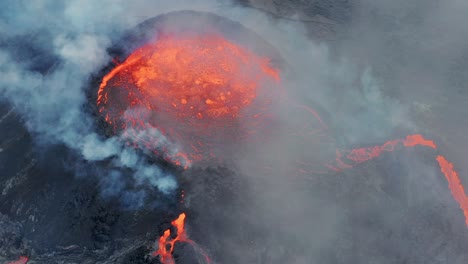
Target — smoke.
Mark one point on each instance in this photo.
(393, 69)
(387, 74)
(50, 96)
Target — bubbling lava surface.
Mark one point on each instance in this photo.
(179, 94)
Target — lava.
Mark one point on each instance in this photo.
(180, 95)
(167, 242)
(181, 88)
(21, 260)
(360, 155)
(418, 140)
(458, 192)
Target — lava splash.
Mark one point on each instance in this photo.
(188, 90)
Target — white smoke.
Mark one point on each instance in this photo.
(52, 103)
(353, 91)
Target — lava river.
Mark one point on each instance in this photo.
(346, 159)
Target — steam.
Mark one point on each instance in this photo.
(369, 93)
(52, 102)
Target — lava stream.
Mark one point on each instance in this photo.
(359, 155)
(167, 242)
(458, 192)
(21, 260)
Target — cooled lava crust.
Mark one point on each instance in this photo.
(185, 86)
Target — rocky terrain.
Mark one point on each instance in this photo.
(52, 215)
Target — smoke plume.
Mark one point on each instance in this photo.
(387, 69)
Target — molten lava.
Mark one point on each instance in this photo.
(167, 242)
(21, 260)
(184, 87)
(458, 192)
(360, 155)
(415, 140)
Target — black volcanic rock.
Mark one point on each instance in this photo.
(394, 209)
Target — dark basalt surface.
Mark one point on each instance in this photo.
(54, 216)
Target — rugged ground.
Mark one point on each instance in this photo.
(54, 216)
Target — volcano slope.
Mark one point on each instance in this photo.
(52, 216)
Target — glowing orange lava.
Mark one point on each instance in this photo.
(167, 242)
(458, 192)
(183, 87)
(360, 155)
(415, 140)
(21, 260)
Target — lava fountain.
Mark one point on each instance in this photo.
(183, 93)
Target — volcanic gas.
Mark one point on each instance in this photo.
(192, 89)
(186, 92)
(346, 159)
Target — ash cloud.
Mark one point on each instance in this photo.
(393, 68)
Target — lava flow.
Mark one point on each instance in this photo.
(21, 260)
(184, 89)
(458, 192)
(359, 155)
(167, 242)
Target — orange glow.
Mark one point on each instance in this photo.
(202, 77)
(456, 187)
(167, 242)
(195, 82)
(414, 140)
(21, 260)
(364, 154)
(360, 155)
